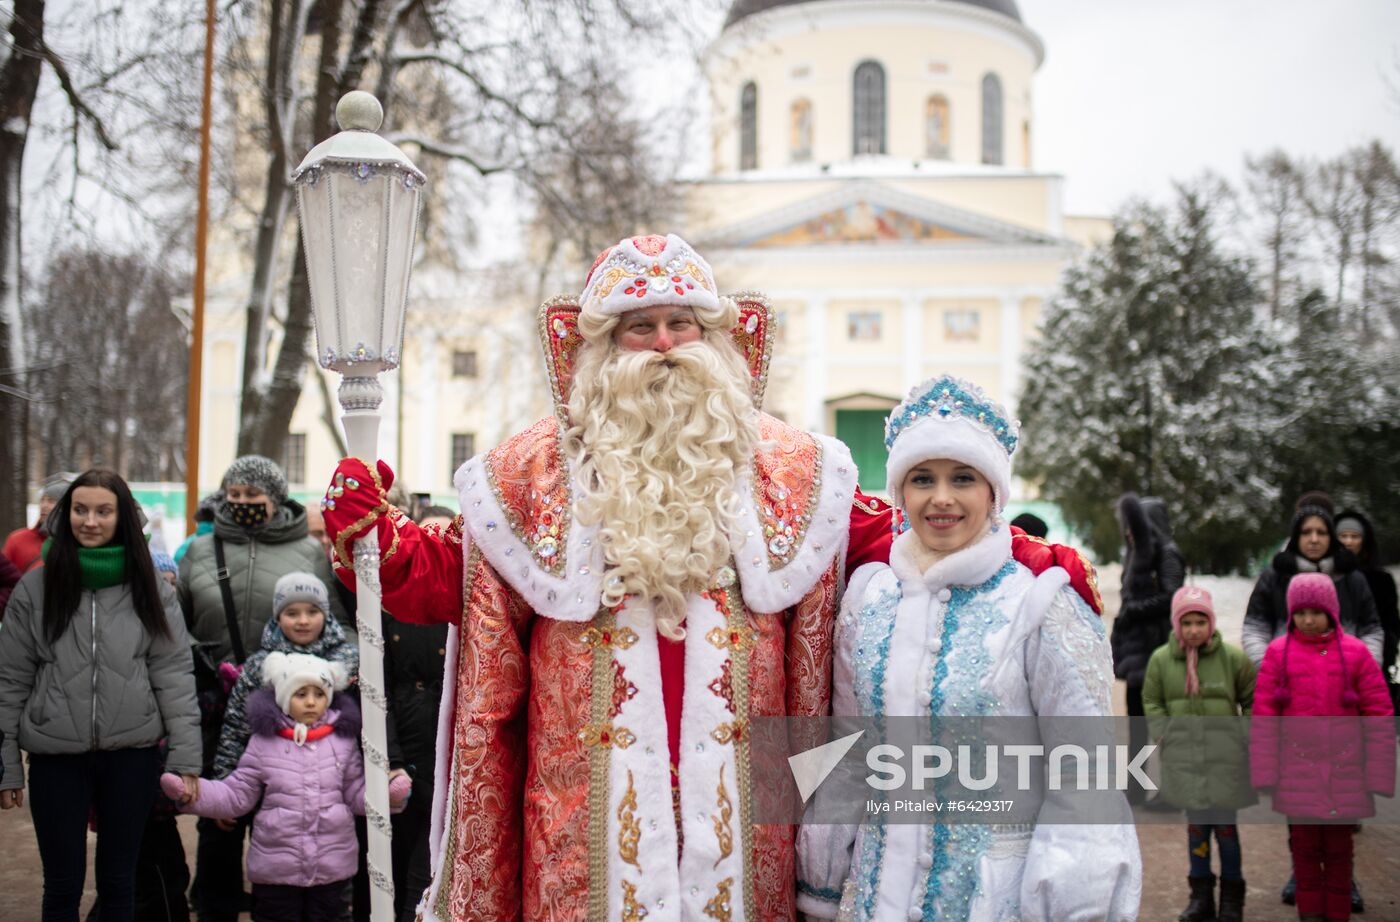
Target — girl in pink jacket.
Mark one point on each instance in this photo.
(304, 763)
(1323, 774)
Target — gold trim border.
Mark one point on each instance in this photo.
(599, 765)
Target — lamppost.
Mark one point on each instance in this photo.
(358, 197)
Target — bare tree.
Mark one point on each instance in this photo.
(531, 90)
(1274, 183)
(109, 366)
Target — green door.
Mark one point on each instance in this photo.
(863, 431)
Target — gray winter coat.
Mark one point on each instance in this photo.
(106, 684)
(256, 559)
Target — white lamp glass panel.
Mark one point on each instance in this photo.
(357, 240)
(402, 227)
(313, 201)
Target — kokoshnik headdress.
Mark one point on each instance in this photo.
(948, 417)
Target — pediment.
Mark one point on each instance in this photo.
(861, 222)
(867, 212)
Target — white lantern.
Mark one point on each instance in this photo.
(358, 196)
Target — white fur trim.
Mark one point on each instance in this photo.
(1029, 617)
(971, 566)
(659, 878)
(647, 758)
(607, 292)
(955, 438)
(828, 531)
(571, 597)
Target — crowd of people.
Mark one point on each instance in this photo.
(1318, 640)
(218, 681)
(574, 662)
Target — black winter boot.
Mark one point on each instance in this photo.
(1202, 905)
(1231, 901)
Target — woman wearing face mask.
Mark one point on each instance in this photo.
(1312, 548)
(259, 536)
(94, 672)
(953, 627)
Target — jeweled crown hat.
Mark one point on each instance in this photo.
(947, 417)
(648, 271)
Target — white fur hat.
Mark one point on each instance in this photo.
(948, 417)
(287, 672)
(647, 272)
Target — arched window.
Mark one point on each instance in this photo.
(748, 127)
(991, 119)
(869, 110)
(801, 131)
(937, 130)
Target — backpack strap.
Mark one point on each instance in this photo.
(235, 636)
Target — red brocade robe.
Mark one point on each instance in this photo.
(561, 782)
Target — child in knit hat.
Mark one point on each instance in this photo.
(1321, 770)
(302, 762)
(1196, 687)
(300, 623)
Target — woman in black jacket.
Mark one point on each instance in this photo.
(1355, 533)
(1153, 569)
(1312, 548)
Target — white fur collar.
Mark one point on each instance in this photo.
(571, 595)
(971, 566)
(772, 590)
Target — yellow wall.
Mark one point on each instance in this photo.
(818, 64)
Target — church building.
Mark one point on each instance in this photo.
(872, 175)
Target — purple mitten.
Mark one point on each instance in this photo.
(399, 788)
(173, 786)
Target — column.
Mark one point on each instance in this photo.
(815, 367)
(1010, 358)
(912, 310)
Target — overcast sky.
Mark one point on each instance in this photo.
(1135, 93)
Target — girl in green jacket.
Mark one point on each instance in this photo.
(1205, 767)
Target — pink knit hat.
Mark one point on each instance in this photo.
(1192, 599)
(1313, 590)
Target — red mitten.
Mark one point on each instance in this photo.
(173, 786)
(1038, 555)
(356, 500)
(399, 788)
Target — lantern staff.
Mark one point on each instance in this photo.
(358, 197)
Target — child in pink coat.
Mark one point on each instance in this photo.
(1324, 774)
(303, 762)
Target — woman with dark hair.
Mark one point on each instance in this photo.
(1312, 548)
(95, 670)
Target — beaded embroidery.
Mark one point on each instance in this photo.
(528, 478)
(957, 690)
(1077, 635)
(948, 396)
(787, 486)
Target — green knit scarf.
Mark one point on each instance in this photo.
(99, 567)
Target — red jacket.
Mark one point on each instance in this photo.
(1331, 764)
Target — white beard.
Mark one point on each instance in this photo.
(661, 441)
